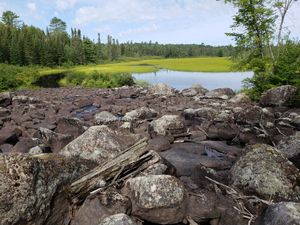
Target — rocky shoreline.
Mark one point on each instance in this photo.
(220, 159)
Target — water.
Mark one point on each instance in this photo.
(182, 80)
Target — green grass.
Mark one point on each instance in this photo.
(212, 64)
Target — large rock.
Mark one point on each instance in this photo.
(157, 198)
(193, 91)
(5, 99)
(162, 89)
(240, 98)
(279, 96)
(220, 93)
(70, 126)
(204, 113)
(168, 124)
(253, 115)
(105, 117)
(96, 209)
(265, 171)
(98, 143)
(29, 183)
(140, 113)
(290, 147)
(119, 219)
(283, 213)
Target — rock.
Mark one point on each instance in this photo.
(105, 117)
(240, 98)
(296, 121)
(29, 183)
(98, 143)
(193, 91)
(119, 219)
(10, 135)
(4, 112)
(20, 99)
(168, 124)
(140, 114)
(253, 115)
(55, 141)
(162, 89)
(70, 126)
(206, 113)
(278, 96)
(5, 99)
(23, 146)
(36, 150)
(5, 148)
(290, 147)
(283, 213)
(159, 144)
(220, 93)
(157, 198)
(264, 171)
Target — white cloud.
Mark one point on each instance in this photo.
(31, 6)
(139, 30)
(62, 5)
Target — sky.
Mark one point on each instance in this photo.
(165, 21)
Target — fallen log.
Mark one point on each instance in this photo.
(127, 164)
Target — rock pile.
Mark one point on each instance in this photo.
(81, 156)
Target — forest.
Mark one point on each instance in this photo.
(21, 44)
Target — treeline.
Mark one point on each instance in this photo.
(21, 44)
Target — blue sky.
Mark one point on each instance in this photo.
(165, 21)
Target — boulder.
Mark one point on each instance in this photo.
(283, 213)
(5, 99)
(119, 219)
(157, 198)
(290, 147)
(220, 93)
(140, 114)
(23, 146)
(70, 126)
(264, 170)
(4, 112)
(10, 134)
(193, 91)
(253, 115)
(296, 122)
(98, 143)
(206, 113)
(29, 183)
(167, 124)
(162, 89)
(105, 117)
(278, 96)
(240, 98)
(55, 141)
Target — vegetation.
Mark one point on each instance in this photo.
(262, 45)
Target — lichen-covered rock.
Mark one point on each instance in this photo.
(119, 219)
(168, 124)
(220, 93)
(265, 171)
(157, 198)
(140, 113)
(193, 91)
(4, 112)
(28, 184)
(254, 115)
(290, 147)
(70, 126)
(283, 213)
(278, 96)
(206, 113)
(98, 143)
(162, 89)
(5, 99)
(105, 117)
(240, 98)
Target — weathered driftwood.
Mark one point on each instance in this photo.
(127, 164)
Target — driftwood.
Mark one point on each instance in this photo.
(127, 164)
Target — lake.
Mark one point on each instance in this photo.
(182, 80)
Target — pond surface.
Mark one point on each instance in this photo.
(182, 80)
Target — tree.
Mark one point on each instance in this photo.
(57, 25)
(10, 18)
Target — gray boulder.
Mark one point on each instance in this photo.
(167, 124)
(206, 113)
(220, 93)
(29, 183)
(265, 171)
(162, 89)
(98, 143)
(5, 99)
(283, 213)
(158, 199)
(119, 219)
(105, 117)
(140, 113)
(240, 98)
(279, 96)
(193, 91)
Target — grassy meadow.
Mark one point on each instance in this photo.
(208, 64)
